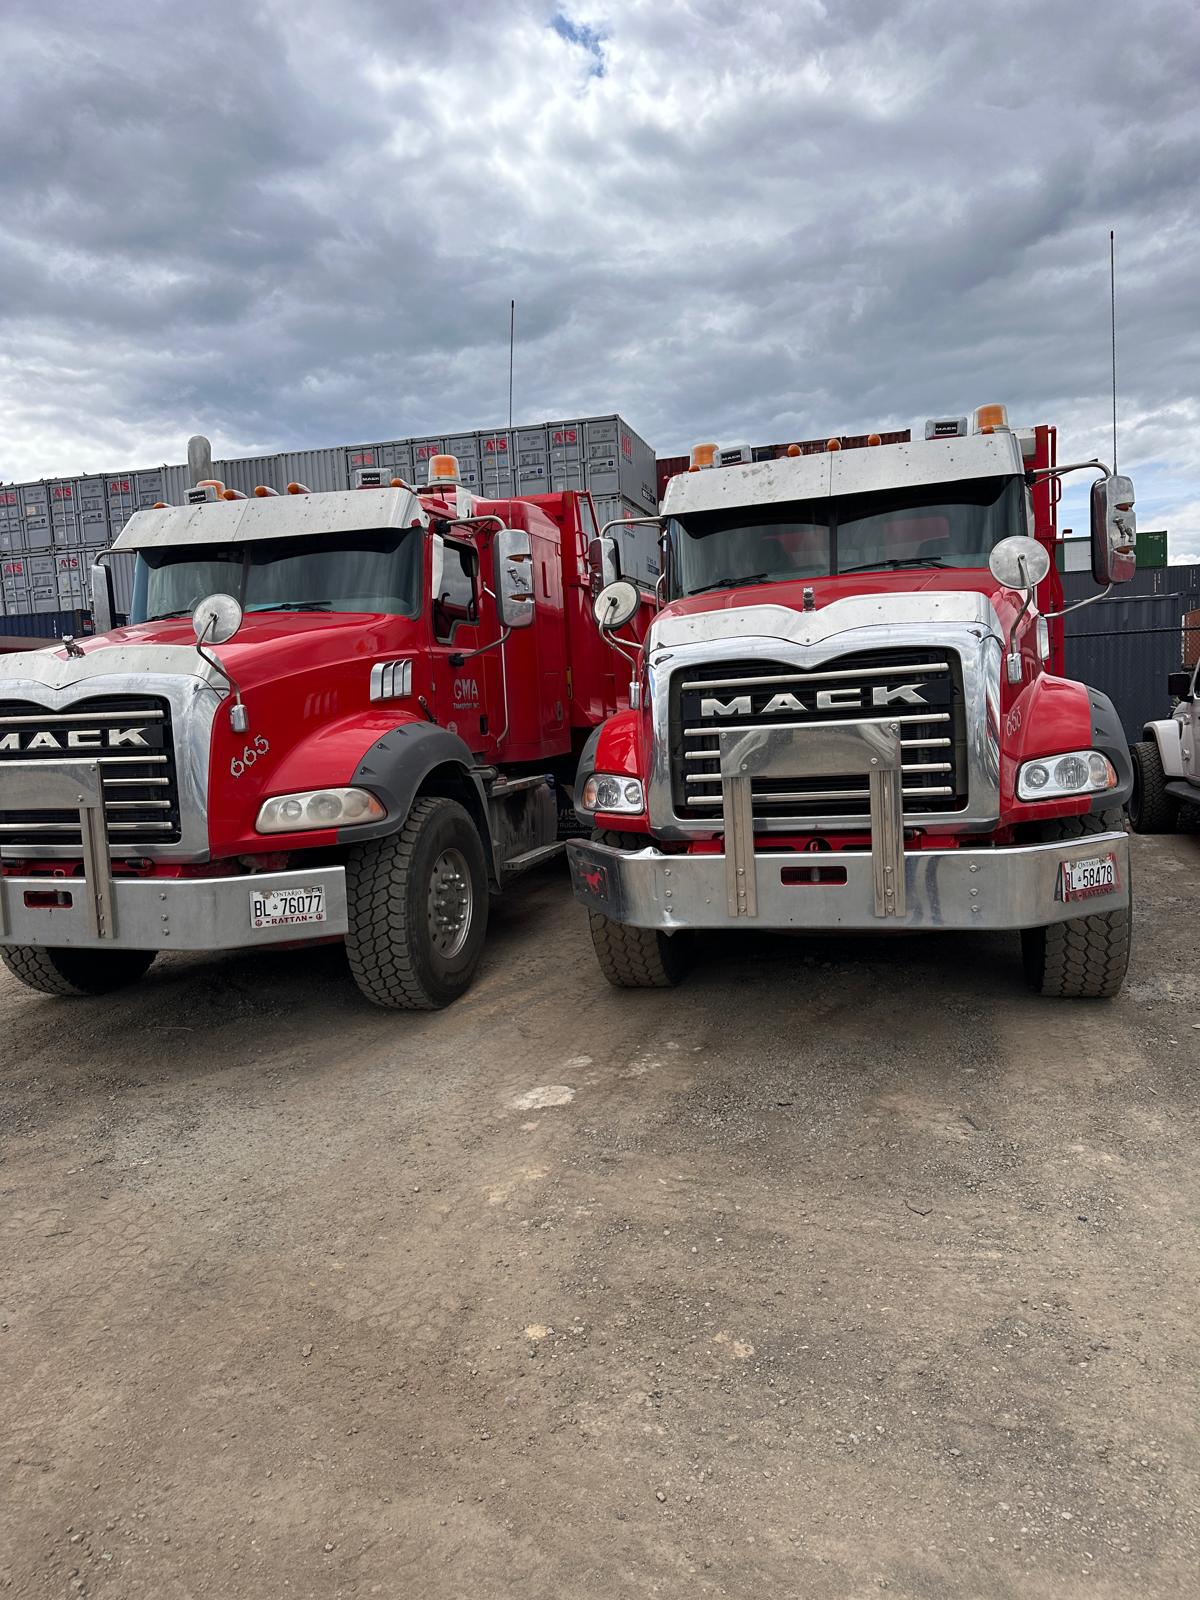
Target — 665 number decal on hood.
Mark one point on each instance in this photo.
(249, 756)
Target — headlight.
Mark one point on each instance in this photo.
(1077, 772)
(605, 792)
(319, 808)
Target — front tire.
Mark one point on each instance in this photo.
(1087, 957)
(1151, 808)
(418, 909)
(75, 973)
(637, 958)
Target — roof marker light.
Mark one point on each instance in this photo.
(263, 492)
(873, 438)
(159, 505)
(991, 419)
(834, 444)
(232, 494)
(793, 450)
(298, 488)
(703, 456)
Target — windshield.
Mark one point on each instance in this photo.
(933, 526)
(367, 571)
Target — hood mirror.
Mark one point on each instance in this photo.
(615, 605)
(1018, 563)
(216, 619)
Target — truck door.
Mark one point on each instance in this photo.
(460, 694)
(1189, 715)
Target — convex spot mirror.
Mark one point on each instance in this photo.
(513, 560)
(216, 619)
(1114, 530)
(1019, 562)
(616, 604)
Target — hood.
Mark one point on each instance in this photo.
(858, 600)
(268, 646)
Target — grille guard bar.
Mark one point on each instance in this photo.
(870, 750)
(69, 786)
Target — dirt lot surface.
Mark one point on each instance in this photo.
(845, 1268)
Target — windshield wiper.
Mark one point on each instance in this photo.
(731, 583)
(164, 616)
(294, 605)
(896, 561)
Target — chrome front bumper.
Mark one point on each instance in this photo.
(1018, 886)
(100, 910)
(163, 913)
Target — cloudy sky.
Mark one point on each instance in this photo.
(290, 223)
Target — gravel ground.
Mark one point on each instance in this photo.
(847, 1267)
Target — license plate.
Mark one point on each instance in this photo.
(280, 908)
(1091, 876)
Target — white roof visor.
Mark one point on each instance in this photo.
(845, 472)
(291, 516)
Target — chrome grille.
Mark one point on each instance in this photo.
(130, 739)
(919, 690)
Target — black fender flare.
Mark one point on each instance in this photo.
(1108, 736)
(396, 766)
(587, 765)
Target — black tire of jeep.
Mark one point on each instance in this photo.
(1085, 958)
(389, 941)
(637, 958)
(1151, 808)
(75, 973)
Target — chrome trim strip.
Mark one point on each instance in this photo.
(800, 727)
(817, 677)
(81, 716)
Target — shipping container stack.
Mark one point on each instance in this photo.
(52, 532)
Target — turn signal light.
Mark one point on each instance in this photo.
(703, 455)
(443, 469)
(298, 488)
(988, 419)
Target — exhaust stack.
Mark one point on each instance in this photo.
(200, 461)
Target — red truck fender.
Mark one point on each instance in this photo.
(615, 746)
(1049, 717)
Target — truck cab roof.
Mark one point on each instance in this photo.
(844, 472)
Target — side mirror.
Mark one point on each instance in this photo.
(1179, 684)
(604, 561)
(103, 601)
(615, 605)
(1019, 562)
(216, 619)
(437, 566)
(1114, 530)
(512, 560)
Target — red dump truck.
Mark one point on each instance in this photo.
(353, 714)
(850, 713)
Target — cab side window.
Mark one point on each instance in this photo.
(456, 602)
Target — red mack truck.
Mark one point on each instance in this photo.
(850, 713)
(337, 714)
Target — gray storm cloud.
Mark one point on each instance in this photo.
(299, 225)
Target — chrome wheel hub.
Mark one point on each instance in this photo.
(451, 901)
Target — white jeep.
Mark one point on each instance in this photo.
(1166, 760)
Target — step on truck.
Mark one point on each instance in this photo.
(354, 714)
(850, 713)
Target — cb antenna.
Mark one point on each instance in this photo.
(1112, 310)
(512, 340)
